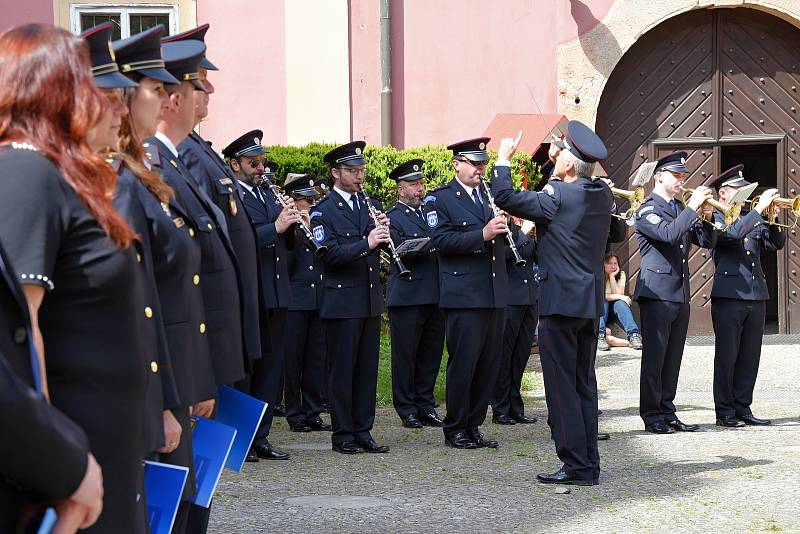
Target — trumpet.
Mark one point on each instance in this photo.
(729, 213)
(771, 213)
(319, 249)
(635, 197)
(373, 213)
(519, 261)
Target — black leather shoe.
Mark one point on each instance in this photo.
(430, 419)
(659, 428)
(603, 436)
(523, 419)
(680, 426)
(370, 446)
(562, 477)
(279, 411)
(459, 440)
(750, 419)
(318, 425)
(503, 419)
(300, 427)
(347, 447)
(266, 452)
(480, 441)
(251, 457)
(729, 421)
(411, 421)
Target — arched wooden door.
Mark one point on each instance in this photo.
(723, 85)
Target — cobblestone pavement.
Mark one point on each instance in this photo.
(713, 480)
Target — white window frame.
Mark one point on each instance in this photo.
(124, 11)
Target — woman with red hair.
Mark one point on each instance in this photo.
(73, 255)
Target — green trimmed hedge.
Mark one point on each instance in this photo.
(382, 159)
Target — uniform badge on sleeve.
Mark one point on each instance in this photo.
(653, 218)
(433, 218)
(549, 190)
(319, 233)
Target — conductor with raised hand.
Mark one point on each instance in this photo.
(573, 216)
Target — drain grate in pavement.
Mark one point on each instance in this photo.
(776, 339)
(341, 502)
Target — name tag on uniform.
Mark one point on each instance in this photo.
(225, 181)
(179, 222)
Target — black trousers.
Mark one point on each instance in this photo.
(664, 326)
(266, 384)
(738, 332)
(183, 455)
(567, 348)
(518, 336)
(304, 354)
(417, 345)
(474, 343)
(353, 347)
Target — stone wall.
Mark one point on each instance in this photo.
(585, 64)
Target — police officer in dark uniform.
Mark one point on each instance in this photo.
(44, 455)
(217, 181)
(521, 318)
(665, 231)
(473, 284)
(272, 224)
(417, 323)
(304, 346)
(351, 299)
(573, 218)
(218, 275)
(738, 302)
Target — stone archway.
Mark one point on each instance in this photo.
(721, 84)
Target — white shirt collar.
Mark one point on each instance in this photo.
(246, 186)
(468, 189)
(409, 207)
(169, 144)
(345, 195)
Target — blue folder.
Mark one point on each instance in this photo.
(48, 521)
(244, 413)
(163, 486)
(212, 442)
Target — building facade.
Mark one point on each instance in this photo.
(716, 77)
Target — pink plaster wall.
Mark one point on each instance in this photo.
(14, 13)
(457, 63)
(365, 72)
(247, 42)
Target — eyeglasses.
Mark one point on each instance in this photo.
(473, 163)
(256, 162)
(354, 172)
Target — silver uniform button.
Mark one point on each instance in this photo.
(20, 335)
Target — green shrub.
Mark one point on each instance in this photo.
(382, 159)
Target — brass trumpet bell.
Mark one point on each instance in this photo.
(729, 213)
(635, 197)
(771, 213)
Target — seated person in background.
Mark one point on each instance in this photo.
(618, 304)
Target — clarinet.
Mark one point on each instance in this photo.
(404, 272)
(319, 250)
(519, 261)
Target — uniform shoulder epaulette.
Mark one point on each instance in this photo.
(440, 188)
(152, 153)
(392, 209)
(646, 206)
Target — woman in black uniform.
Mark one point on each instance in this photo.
(73, 255)
(170, 235)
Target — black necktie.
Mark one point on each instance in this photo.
(477, 198)
(674, 207)
(356, 208)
